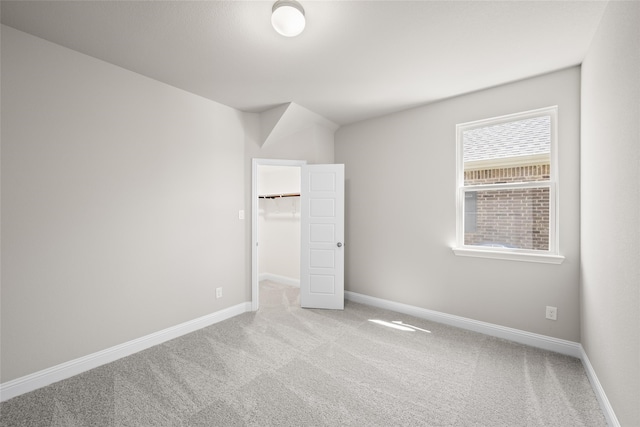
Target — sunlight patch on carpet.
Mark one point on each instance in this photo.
(397, 324)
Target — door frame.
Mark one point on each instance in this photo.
(255, 284)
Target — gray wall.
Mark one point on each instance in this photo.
(610, 197)
(400, 212)
(120, 199)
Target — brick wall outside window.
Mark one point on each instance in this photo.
(516, 217)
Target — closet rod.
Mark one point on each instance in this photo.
(278, 196)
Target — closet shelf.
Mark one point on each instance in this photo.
(278, 196)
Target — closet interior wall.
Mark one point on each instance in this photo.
(279, 224)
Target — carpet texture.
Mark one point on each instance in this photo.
(287, 366)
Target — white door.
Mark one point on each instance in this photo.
(322, 236)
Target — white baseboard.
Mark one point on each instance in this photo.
(66, 370)
(569, 348)
(610, 416)
(279, 279)
(535, 340)
(74, 367)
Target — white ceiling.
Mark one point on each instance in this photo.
(355, 59)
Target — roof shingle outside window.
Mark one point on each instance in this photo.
(528, 137)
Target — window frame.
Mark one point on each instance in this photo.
(552, 254)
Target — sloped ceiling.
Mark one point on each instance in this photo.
(355, 60)
(287, 119)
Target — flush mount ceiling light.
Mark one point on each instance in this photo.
(287, 17)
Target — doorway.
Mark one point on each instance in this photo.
(275, 230)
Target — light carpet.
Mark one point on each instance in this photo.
(287, 366)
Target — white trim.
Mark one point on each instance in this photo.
(507, 186)
(552, 183)
(255, 288)
(508, 118)
(557, 345)
(609, 415)
(510, 255)
(507, 162)
(68, 369)
(279, 279)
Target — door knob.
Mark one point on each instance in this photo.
(339, 244)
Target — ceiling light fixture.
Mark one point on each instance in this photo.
(287, 17)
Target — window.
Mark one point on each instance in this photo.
(506, 187)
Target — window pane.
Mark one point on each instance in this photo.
(470, 209)
(518, 151)
(509, 218)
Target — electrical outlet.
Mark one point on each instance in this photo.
(218, 292)
(552, 313)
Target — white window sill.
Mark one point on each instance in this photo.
(511, 256)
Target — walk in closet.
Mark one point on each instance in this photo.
(279, 224)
